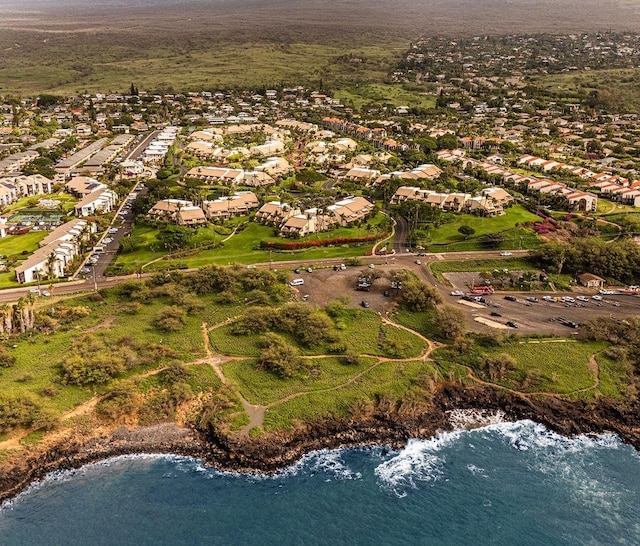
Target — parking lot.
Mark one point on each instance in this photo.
(542, 317)
(324, 285)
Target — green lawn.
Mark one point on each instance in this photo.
(446, 237)
(13, 246)
(489, 264)
(67, 201)
(240, 248)
(18, 247)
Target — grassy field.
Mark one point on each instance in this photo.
(18, 247)
(228, 65)
(561, 367)
(13, 246)
(389, 380)
(39, 357)
(621, 85)
(240, 248)
(363, 333)
(260, 387)
(66, 201)
(488, 264)
(446, 238)
(396, 95)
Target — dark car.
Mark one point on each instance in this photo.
(386, 294)
(495, 314)
(511, 298)
(512, 324)
(364, 303)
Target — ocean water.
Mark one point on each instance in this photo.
(506, 484)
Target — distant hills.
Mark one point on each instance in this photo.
(74, 45)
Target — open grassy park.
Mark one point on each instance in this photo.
(222, 338)
(207, 247)
(511, 226)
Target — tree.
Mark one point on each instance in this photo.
(418, 296)
(278, 357)
(467, 231)
(175, 237)
(450, 321)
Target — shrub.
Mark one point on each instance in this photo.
(171, 319)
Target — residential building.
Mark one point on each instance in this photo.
(101, 201)
(239, 203)
(275, 213)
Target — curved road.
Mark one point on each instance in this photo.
(402, 231)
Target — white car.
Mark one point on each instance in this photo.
(457, 293)
(596, 298)
(418, 262)
(506, 253)
(113, 230)
(582, 298)
(371, 266)
(548, 298)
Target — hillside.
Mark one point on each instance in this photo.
(69, 46)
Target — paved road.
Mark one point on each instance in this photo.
(402, 230)
(399, 260)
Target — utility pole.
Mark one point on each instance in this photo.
(95, 281)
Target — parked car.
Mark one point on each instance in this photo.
(457, 293)
(386, 294)
(371, 266)
(506, 253)
(596, 298)
(511, 298)
(548, 298)
(532, 299)
(422, 254)
(364, 303)
(342, 267)
(418, 262)
(46, 293)
(511, 324)
(495, 314)
(296, 270)
(309, 270)
(582, 298)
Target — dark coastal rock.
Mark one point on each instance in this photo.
(271, 452)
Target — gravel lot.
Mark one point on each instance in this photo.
(325, 285)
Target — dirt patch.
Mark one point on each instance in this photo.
(106, 323)
(325, 285)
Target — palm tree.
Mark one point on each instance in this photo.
(50, 263)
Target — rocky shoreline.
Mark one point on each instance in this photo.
(271, 452)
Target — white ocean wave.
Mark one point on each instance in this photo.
(423, 461)
(419, 461)
(474, 418)
(328, 462)
(525, 435)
